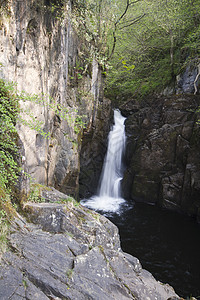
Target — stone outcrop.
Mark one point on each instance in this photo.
(71, 253)
(163, 164)
(189, 82)
(44, 56)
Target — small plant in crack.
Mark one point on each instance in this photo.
(69, 273)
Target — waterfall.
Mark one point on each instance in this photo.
(112, 169)
(109, 195)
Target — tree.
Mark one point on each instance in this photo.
(101, 22)
(157, 45)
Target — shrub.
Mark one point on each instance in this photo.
(9, 151)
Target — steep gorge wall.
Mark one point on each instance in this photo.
(93, 150)
(42, 54)
(163, 146)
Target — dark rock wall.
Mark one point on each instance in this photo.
(163, 145)
(93, 149)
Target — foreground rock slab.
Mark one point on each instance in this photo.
(72, 253)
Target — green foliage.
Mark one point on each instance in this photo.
(54, 7)
(10, 113)
(7, 212)
(5, 8)
(57, 9)
(157, 46)
(70, 199)
(79, 123)
(191, 40)
(69, 114)
(9, 151)
(96, 23)
(35, 193)
(4, 227)
(69, 273)
(77, 73)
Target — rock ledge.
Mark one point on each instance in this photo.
(73, 253)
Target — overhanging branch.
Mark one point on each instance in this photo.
(128, 4)
(131, 22)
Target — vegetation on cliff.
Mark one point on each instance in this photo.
(10, 156)
(150, 53)
(101, 23)
(141, 45)
(9, 152)
(10, 112)
(9, 109)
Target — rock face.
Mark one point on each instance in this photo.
(163, 152)
(71, 253)
(42, 54)
(93, 148)
(189, 82)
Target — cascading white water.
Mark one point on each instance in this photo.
(111, 174)
(109, 196)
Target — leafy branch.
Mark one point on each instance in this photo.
(128, 23)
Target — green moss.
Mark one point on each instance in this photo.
(69, 199)
(7, 213)
(69, 234)
(4, 229)
(95, 215)
(69, 273)
(25, 284)
(9, 150)
(126, 286)
(35, 194)
(9, 157)
(101, 249)
(5, 9)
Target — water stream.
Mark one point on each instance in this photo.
(166, 243)
(108, 198)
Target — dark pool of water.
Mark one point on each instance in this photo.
(166, 243)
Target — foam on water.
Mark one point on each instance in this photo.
(103, 203)
(109, 197)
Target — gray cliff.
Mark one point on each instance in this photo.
(44, 56)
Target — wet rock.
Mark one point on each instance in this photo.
(185, 81)
(93, 149)
(162, 153)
